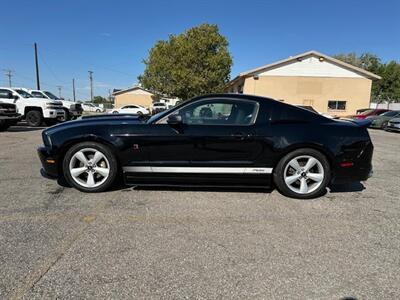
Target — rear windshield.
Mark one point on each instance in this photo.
(288, 114)
(366, 112)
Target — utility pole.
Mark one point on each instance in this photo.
(8, 74)
(73, 88)
(59, 91)
(91, 85)
(37, 68)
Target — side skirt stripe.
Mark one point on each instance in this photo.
(204, 170)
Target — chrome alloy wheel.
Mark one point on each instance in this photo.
(303, 174)
(89, 167)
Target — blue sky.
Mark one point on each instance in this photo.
(112, 38)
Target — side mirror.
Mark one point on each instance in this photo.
(15, 97)
(174, 120)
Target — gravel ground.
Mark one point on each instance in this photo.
(56, 242)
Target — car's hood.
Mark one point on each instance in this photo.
(43, 100)
(66, 102)
(395, 120)
(98, 120)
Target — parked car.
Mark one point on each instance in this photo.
(8, 115)
(382, 120)
(222, 139)
(310, 108)
(91, 107)
(360, 111)
(393, 125)
(72, 109)
(131, 109)
(369, 113)
(33, 110)
(158, 107)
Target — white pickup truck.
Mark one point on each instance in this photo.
(72, 110)
(33, 110)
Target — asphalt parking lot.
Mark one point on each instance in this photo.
(56, 242)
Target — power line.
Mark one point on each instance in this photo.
(8, 74)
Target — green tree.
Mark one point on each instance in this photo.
(388, 88)
(385, 89)
(189, 64)
(99, 99)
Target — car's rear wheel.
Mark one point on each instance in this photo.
(302, 174)
(90, 167)
(384, 125)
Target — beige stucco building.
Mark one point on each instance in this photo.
(134, 95)
(313, 79)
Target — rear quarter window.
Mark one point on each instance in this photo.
(290, 114)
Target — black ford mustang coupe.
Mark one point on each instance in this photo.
(221, 139)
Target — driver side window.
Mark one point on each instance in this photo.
(219, 112)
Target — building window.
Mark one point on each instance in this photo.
(240, 89)
(336, 105)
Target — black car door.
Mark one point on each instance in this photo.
(215, 133)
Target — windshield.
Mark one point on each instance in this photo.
(51, 96)
(159, 115)
(38, 95)
(24, 94)
(390, 114)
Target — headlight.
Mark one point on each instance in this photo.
(47, 139)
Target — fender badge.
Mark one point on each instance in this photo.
(135, 147)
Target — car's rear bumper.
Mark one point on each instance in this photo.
(49, 162)
(357, 169)
(75, 113)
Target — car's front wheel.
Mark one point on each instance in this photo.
(90, 167)
(302, 174)
(34, 118)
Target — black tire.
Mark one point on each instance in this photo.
(4, 125)
(50, 122)
(115, 112)
(113, 167)
(34, 118)
(98, 110)
(384, 125)
(282, 165)
(139, 113)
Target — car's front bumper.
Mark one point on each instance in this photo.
(54, 114)
(393, 126)
(49, 162)
(10, 118)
